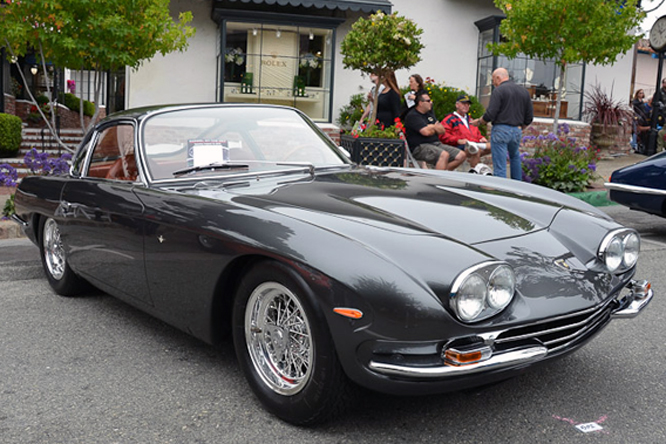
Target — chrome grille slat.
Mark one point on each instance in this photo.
(558, 333)
(572, 337)
(552, 330)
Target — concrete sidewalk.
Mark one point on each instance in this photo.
(596, 195)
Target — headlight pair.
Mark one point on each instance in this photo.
(482, 291)
(619, 250)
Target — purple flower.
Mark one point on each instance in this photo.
(8, 175)
(41, 163)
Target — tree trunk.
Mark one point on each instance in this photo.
(375, 101)
(558, 102)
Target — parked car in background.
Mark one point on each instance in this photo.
(641, 186)
(248, 219)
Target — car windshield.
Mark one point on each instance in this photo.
(220, 140)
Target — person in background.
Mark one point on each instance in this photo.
(510, 110)
(388, 105)
(371, 97)
(422, 130)
(459, 132)
(641, 121)
(416, 85)
(660, 104)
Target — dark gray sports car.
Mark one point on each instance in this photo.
(248, 219)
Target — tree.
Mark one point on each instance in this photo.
(97, 35)
(380, 45)
(568, 31)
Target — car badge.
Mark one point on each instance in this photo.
(562, 263)
(160, 238)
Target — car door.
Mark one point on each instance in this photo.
(103, 217)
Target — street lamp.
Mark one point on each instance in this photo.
(34, 70)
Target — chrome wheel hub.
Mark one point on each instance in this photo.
(54, 253)
(278, 338)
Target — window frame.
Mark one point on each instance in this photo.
(288, 21)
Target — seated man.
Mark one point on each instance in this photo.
(422, 129)
(459, 132)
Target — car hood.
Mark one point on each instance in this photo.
(464, 207)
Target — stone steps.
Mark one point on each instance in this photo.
(42, 140)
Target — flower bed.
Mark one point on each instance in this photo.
(559, 161)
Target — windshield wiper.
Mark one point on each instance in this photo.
(212, 166)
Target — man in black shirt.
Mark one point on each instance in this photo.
(422, 130)
(510, 110)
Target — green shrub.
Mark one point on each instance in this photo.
(42, 100)
(74, 103)
(351, 112)
(8, 208)
(88, 108)
(10, 135)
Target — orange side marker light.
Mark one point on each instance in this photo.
(349, 312)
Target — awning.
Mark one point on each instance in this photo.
(369, 6)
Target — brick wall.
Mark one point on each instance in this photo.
(333, 131)
(10, 104)
(580, 130)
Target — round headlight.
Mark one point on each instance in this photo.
(614, 254)
(501, 286)
(471, 297)
(632, 246)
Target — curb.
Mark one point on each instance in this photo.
(594, 198)
(10, 230)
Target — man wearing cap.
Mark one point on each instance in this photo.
(459, 132)
(422, 129)
(510, 110)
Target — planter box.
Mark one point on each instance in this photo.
(611, 140)
(379, 152)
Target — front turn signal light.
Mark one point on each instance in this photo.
(454, 356)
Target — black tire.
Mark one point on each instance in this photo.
(314, 391)
(54, 260)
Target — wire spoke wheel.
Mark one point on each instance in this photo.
(278, 338)
(54, 253)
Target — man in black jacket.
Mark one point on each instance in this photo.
(510, 110)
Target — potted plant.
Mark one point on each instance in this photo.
(380, 45)
(376, 145)
(610, 119)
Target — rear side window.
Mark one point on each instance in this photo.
(113, 154)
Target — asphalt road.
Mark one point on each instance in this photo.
(94, 370)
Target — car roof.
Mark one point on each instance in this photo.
(146, 111)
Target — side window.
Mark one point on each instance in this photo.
(113, 154)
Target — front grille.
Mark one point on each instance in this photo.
(557, 334)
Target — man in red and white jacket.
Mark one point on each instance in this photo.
(459, 132)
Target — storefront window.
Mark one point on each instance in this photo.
(541, 78)
(287, 65)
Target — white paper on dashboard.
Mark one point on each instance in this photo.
(206, 152)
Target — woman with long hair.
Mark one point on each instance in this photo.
(388, 105)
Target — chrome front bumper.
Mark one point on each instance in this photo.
(612, 186)
(628, 306)
(639, 296)
(508, 359)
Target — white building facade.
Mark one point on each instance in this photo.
(288, 52)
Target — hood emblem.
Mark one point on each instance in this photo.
(160, 238)
(562, 263)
